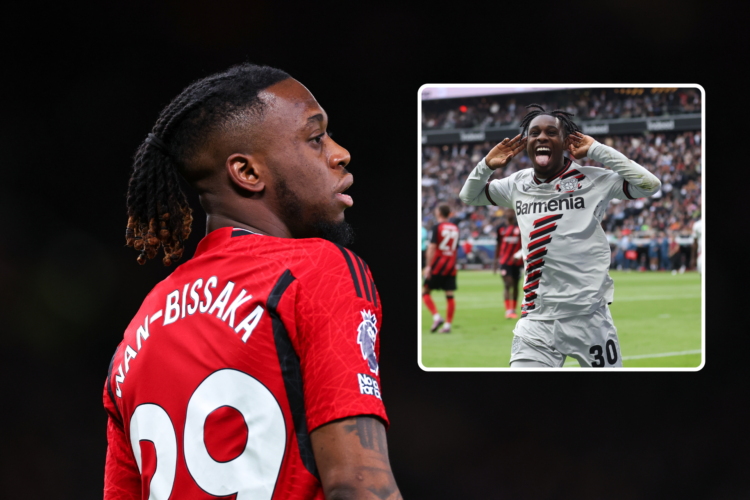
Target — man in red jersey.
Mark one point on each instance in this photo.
(507, 254)
(252, 371)
(441, 273)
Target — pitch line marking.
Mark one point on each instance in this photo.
(662, 355)
(659, 355)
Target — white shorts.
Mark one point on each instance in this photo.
(590, 339)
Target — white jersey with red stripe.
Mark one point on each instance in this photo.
(565, 250)
(698, 234)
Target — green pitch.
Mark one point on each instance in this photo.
(657, 315)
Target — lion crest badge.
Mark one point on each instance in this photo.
(568, 185)
(367, 333)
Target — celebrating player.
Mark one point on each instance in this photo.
(441, 273)
(560, 205)
(696, 253)
(252, 371)
(506, 254)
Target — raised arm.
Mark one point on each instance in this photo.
(431, 249)
(473, 192)
(643, 183)
(352, 459)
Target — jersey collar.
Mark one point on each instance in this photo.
(220, 237)
(565, 168)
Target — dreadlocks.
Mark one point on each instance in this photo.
(563, 116)
(158, 210)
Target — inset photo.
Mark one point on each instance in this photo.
(561, 227)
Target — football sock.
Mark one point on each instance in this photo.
(451, 308)
(429, 303)
(507, 305)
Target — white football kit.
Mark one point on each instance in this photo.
(567, 286)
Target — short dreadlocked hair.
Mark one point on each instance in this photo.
(563, 116)
(158, 211)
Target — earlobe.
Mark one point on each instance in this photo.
(246, 172)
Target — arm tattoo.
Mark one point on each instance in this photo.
(371, 436)
(386, 491)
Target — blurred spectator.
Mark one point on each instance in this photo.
(675, 256)
(586, 104)
(664, 250)
(653, 252)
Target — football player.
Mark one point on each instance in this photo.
(440, 274)
(696, 249)
(560, 205)
(507, 254)
(252, 370)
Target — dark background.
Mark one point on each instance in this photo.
(83, 85)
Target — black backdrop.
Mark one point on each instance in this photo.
(83, 84)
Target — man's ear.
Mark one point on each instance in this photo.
(247, 172)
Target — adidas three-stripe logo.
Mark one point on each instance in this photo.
(363, 284)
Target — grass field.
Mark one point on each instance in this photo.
(657, 315)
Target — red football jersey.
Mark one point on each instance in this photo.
(445, 235)
(509, 240)
(232, 361)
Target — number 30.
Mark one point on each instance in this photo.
(611, 352)
(250, 475)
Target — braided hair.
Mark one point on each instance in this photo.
(158, 211)
(563, 116)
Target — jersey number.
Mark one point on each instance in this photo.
(251, 475)
(449, 240)
(599, 359)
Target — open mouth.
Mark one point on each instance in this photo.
(345, 198)
(543, 155)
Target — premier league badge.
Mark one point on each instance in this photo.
(367, 333)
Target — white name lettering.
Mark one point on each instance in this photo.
(119, 379)
(129, 354)
(194, 296)
(173, 306)
(211, 283)
(142, 332)
(248, 324)
(222, 299)
(177, 309)
(232, 308)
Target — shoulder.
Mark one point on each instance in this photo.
(597, 175)
(329, 268)
(521, 175)
(306, 258)
(515, 177)
(590, 171)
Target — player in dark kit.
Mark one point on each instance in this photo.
(441, 272)
(252, 371)
(507, 254)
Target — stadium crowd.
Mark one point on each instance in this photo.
(586, 104)
(642, 232)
